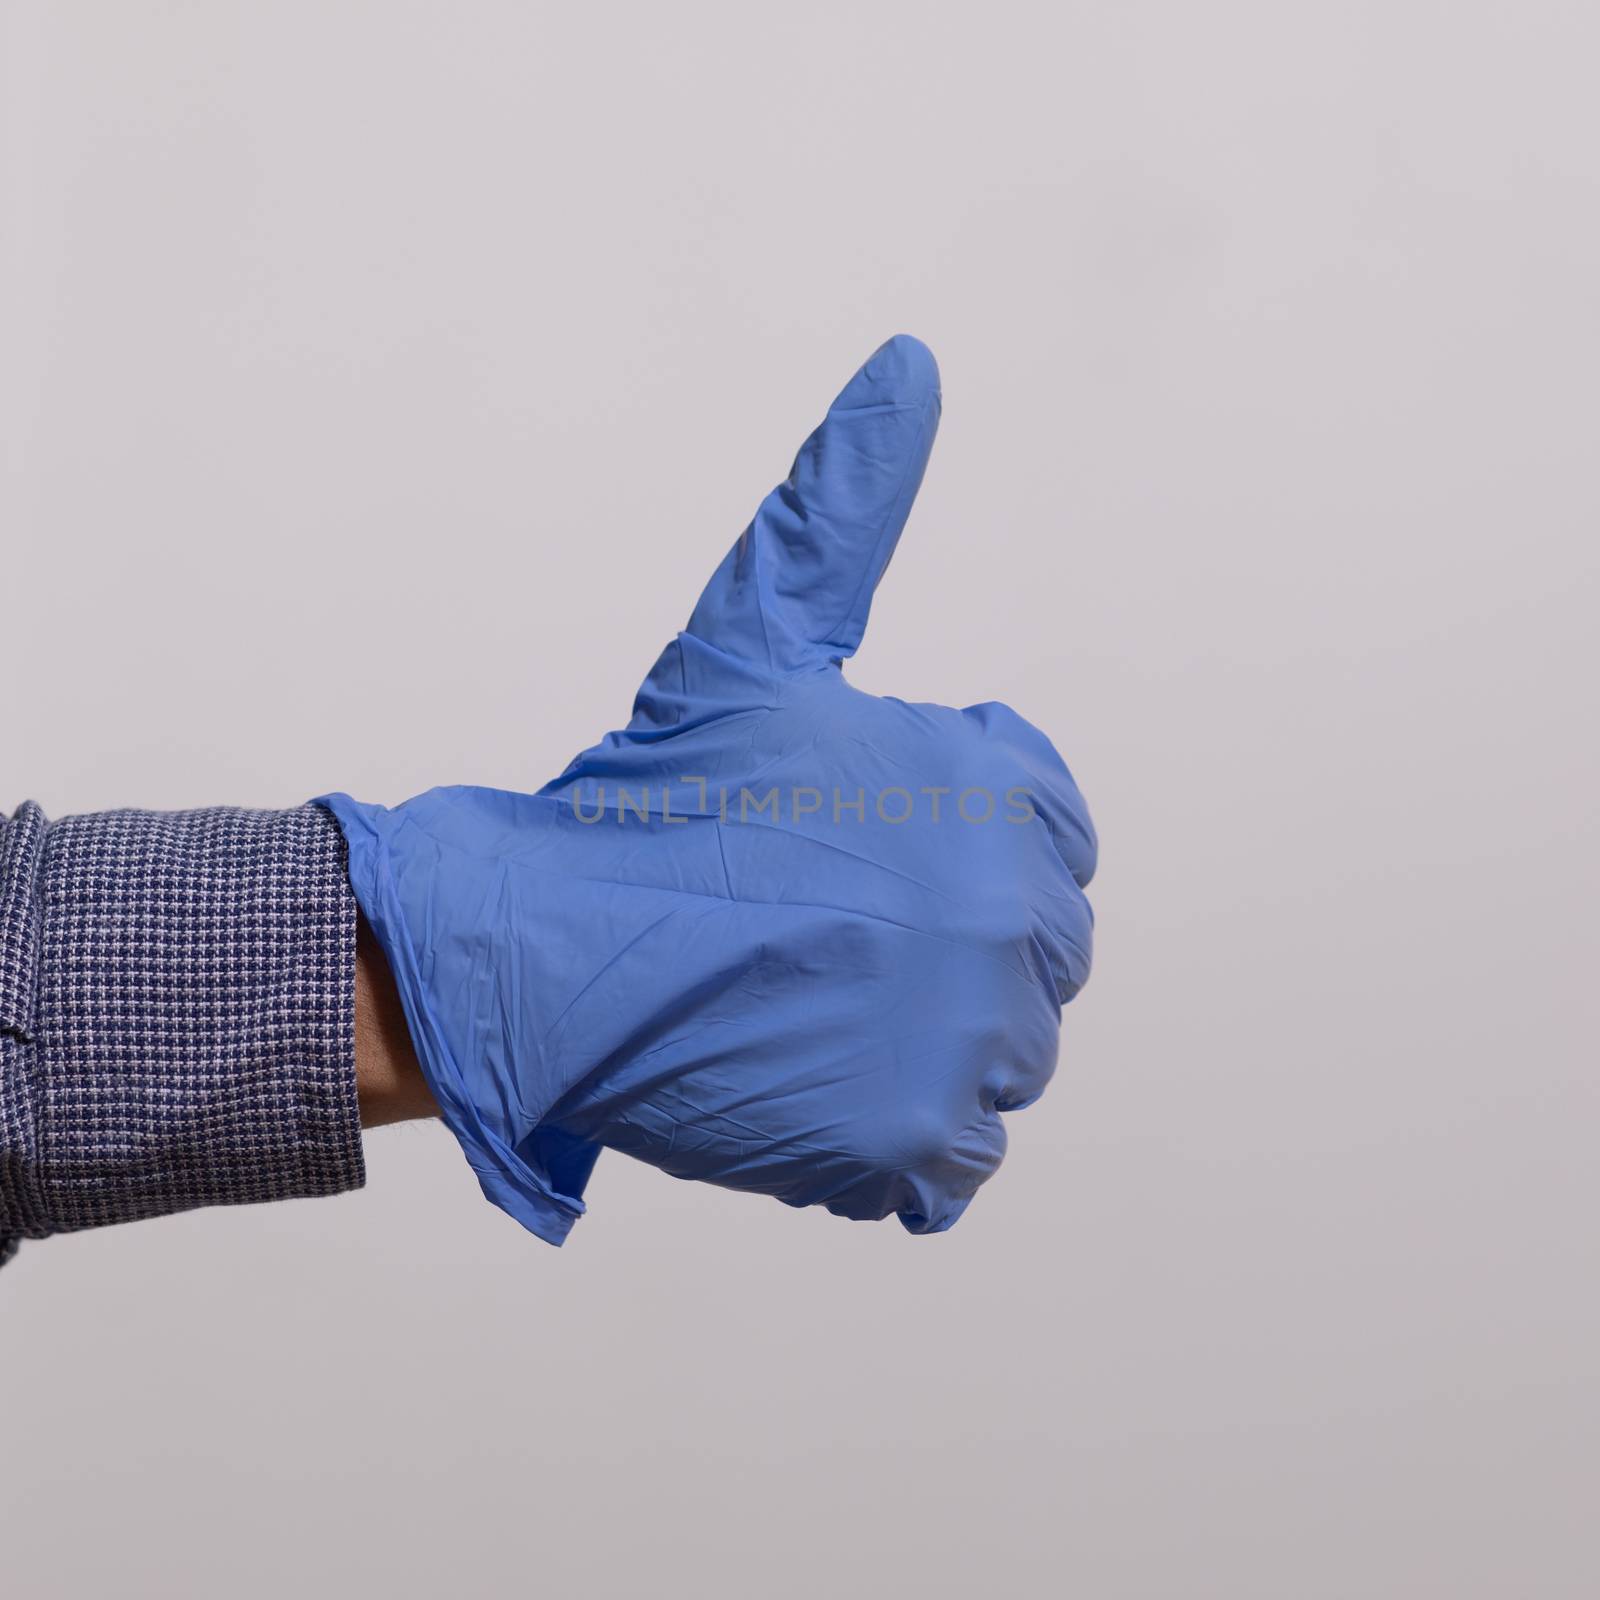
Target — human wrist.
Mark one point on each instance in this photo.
(389, 1080)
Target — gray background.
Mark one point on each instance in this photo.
(380, 383)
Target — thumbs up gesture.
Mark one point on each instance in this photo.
(775, 934)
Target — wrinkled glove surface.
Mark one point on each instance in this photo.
(775, 934)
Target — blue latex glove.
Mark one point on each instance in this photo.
(776, 934)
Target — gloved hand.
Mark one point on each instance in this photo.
(775, 934)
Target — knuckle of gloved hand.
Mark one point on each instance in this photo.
(1022, 765)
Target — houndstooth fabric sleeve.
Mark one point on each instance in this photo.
(177, 1015)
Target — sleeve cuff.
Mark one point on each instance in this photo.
(179, 1015)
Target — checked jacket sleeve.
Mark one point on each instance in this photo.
(176, 1015)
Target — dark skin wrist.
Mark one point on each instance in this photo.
(389, 1082)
